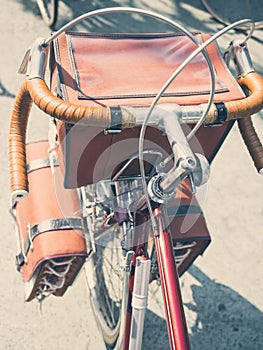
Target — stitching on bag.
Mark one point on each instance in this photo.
(168, 94)
(84, 96)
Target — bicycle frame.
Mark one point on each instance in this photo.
(176, 322)
(137, 268)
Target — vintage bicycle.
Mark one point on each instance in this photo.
(135, 121)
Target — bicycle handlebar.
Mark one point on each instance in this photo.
(251, 104)
(35, 90)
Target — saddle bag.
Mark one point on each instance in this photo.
(103, 69)
(50, 228)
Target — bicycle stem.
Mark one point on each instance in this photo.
(168, 119)
(184, 159)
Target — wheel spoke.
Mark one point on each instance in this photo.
(108, 267)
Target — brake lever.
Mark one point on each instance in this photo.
(239, 53)
(35, 60)
(24, 64)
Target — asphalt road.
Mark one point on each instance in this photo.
(222, 292)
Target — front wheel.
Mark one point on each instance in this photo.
(106, 280)
(48, 10)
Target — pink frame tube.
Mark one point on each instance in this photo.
(176, 322)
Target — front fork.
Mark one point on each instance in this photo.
(134, 303)
(138, 290)
(175, 316)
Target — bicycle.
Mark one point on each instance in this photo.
(49, 11)
(128, 202)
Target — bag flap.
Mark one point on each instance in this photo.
(130, 69)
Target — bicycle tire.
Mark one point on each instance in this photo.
(49, 11)
(106, 287)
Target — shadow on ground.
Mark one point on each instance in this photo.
(4, 92)
(224, 319)
(188, 13)
(180, 10)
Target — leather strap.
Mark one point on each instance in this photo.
(182, 210)
(45, 226)
(40, 164)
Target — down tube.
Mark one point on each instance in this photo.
(175, 317)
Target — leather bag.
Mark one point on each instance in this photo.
(129, 70)
(188, 227)
(50, 228)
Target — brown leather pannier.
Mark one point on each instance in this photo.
(129, 70)
(188, 227)
(50, 228)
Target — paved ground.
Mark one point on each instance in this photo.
(222, 292)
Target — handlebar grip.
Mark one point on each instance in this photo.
(74, 113)
(35, 90)
(252, 142)
(68, 112)
(252, 84)
(251, 104)
(17, 135)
